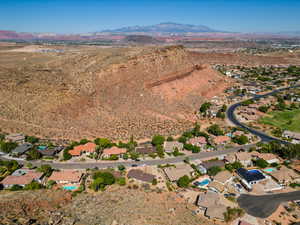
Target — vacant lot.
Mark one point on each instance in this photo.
(115, 206)
(287, 120)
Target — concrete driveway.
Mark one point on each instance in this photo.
(264, 205)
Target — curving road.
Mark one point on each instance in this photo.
(263, 136)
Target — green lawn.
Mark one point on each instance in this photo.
(288, 119)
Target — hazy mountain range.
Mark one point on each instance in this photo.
(162, 30)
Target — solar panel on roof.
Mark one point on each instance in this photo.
(250, 175)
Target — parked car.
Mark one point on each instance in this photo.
(134, 165)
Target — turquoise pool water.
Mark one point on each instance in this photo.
(70, 188)
(270, 170)
(42, 147)
(203, 182)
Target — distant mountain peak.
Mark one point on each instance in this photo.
(165, 28)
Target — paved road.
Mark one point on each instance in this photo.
(263, 136)
(264, 205)
(129, 163)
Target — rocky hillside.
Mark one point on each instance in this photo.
(113, 93)
(112, 207)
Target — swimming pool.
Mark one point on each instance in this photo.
(42, 147)
(203, 182)
(70, 188)
(270, 170)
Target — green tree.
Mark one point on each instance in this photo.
(154, 181)
(134, 155)
(46, 169)
(241, 140)
(33, 186)
(233, 166)
(196, 130)
(261, 163)
(158, 140)
(103, 143)
(224, 108)
(7, 147)
(215, 130)
(97, 184)
(220, 114)
(108, 178)
(170, 138)
(247, 102)
(213, 171)
(193, 148)
(121, 167)
(84, 141)
(32, 139)
(204, 107)
(160, 151)
(33, 154)
(121, 181)
(66, 154)
(233, 213)
(50, 184)
(263, 108)
(183, 181)
(16, 187)
(182, 139)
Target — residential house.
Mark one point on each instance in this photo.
(286, 176)
(213, 111)
(173, 173)
(51, 151)
(113, 151)
(21, 149)
(18, 138)
(21, 180)
(211, 163)
(223, 177)
(145, 149)
(269, 157)
(292, 135)
(230, 158)
(87, 148)
(170, 146)
(221, 140)
(211, 204)
(197, 141)
(216, 187)
(250, 177)
(245, 158)
(140, 175)
(66, 177)
(201, 169)
(20, 172)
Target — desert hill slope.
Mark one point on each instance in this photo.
(115, 92)
(118, 206)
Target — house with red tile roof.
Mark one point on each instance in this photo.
(198, 141)
(269, 157)
(221, 140)
(87, 148)
(66, 177)
(113, 151)
(27, 178)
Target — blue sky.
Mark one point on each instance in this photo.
(75, 16)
